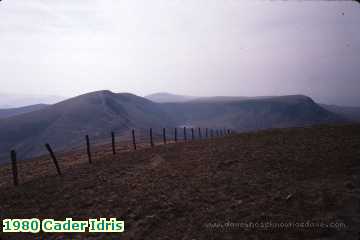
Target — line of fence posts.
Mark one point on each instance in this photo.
(218, 132)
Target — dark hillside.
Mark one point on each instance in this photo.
(65, 124)
(253, 114)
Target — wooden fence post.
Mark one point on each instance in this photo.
(199, 133)
(151, 138)
(53, 158)
(14, 167)
(175, 134)
(228, 131)
(113, 142)
(164, 135)
(192, 134)
(133, 138)
(212, 133)
(206, 133)
(88, 150)
(185, 137)
(217, 132)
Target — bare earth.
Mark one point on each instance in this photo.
(194, 190)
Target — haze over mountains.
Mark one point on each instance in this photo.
(10, 112)
(22, 100)
(168, 97)
(65, 124)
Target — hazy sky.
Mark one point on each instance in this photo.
(193, 47)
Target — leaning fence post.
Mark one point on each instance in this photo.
(53, 158)
(192, 134)
(88, 150)
(133, 138)
(151, 138)
(164, 135)
(14, 167)
(113, 142)
(185, 137)
(175, 134)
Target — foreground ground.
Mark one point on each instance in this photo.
(205, 189)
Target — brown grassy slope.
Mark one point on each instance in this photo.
(175, 191)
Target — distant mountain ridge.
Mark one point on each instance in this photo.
(252, 113)
(65, 124)
(9, 112)
(21, 100)
(350, 113)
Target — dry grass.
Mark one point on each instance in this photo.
(174, 191)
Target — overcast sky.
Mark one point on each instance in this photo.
(193, 47)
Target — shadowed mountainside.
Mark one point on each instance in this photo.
(350, 113)
(65, 124)
(251, 114)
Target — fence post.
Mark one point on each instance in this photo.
(88, 150)
(175, 134)
(185, 137)
(113, 142)
(217, 132)
(53, 158)
(192, 134)
(14, 167)
(212, 133)
(133, 138)
(164, 135)
(151, 138)
(228, 131)
(206, 133)
(200, 133)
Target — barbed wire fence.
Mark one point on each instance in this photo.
(95, 146)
